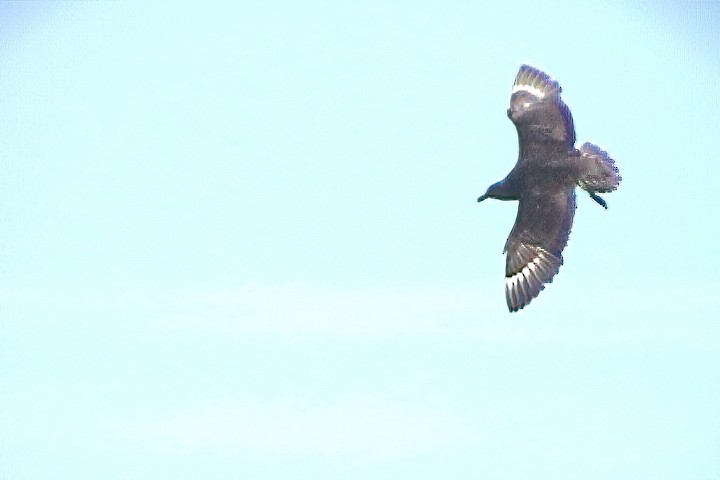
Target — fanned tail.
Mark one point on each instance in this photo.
(600, 174)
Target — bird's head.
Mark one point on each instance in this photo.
(499, 191)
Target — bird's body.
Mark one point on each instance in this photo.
(543, 181)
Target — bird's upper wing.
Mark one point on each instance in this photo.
(534, 247)
(550, 121)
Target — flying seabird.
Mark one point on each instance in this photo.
(543, 180)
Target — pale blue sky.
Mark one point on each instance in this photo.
(242, 241)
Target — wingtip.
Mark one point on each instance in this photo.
(525, 280)
(535, 81)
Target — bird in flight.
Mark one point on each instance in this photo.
(543, 181)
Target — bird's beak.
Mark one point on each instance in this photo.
(482, 197)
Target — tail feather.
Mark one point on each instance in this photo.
(600, 174)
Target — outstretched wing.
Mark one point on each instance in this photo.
(534, 247)
(538, 112)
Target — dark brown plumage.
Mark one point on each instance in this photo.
(548, 169)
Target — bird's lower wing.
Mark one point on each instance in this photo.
(534, 247)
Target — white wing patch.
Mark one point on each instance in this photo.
(530, 89)
(526, 284)
(510, 281)
(528, 273)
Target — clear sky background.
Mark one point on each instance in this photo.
(241, 241)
